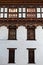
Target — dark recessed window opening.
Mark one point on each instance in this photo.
(31, 55)
(11, 55)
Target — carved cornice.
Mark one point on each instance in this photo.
(21, 22)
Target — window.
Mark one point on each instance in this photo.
(12, 12)
(1, 15)
(38, 9)
(2, 9)
(5, 9)
(12, 15)
(12, 55)
(22, 13)
(38, 12)
(12, 9)
(42, 15)
(31, 55)
(38, 15)
(31, 15)
(20, 9)
(5, 15)
(3, 12)
(31, 12)
(42, 12)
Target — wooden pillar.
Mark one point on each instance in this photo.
(12, 33)
(31, 32)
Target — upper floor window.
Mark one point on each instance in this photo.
(31, 12)
(12, 9)
(3, 12)
(22, 12)
(42, 12)
(12, 12)
(39, 12)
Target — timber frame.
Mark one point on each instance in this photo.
(13, 23)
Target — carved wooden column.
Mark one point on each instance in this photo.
(31, 32)
(12, 33)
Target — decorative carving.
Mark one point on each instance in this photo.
(12, 21)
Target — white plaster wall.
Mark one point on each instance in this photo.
(21, 54)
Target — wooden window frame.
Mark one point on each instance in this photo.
(31, 59)
(34, 13)
(3, 12)
(21, 12)
(12, 12)
(30, 12)
(40, 12)
(11, 57)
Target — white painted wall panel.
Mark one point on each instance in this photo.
(21, 54)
